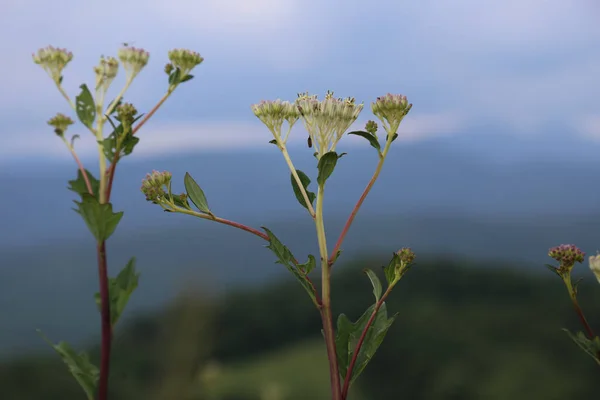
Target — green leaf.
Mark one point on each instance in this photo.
(120, 289)
(78, 185)
(100, 218)
(390, 269)
(393, 137)
(308, 266)
(348, 336)
(371, 138)
(79, 365)
(128, 143)
(196, 194)
(553, 269)
(326, 166)
(305, 182)
(377, 290)
(174, 78)
(85, 107)
(286, 258)
(117, 106)
(591, 347)
(186, 78)
(274, 141)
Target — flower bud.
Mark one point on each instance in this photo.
(273, 113)
(106, 71)
(371, 127)
(567, 255)
(406, 255)
(154, 184)
(133, 59)
(184, 60)
(326, 121)
(126, 114)
(60, 122)
(391, 108)
(595, 265)
(54, 61)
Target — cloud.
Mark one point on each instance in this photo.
(516, 64)
(159, 139)
(589, 127)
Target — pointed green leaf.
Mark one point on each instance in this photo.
(377, 290)
(196, 194)
(591, 347)
(99, 218)
(85, 107)
(274, 141)
(298, 193)
(174, 77)
(79, 365)
(393, 137)
(78, 185)
(373, 340)
(371, 138)
(348, 335)
(390, 269)
(186, 78)
(119, 290)
(553, 269)
(326, 166)
(308, 266)
(286, 258)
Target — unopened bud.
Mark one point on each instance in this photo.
(371, 127)
(184, 60)
(54, 61)
(567, 255)
(106, 71)
(60, 122)
(154, 184)
(391, 108)
(126, 114)
(406, 255)
(133, 59)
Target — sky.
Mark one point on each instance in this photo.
(519, 66)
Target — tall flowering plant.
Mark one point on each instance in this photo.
(350, 345)
(113, 126)
(567, 255)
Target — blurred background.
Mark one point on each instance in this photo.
(496, 162)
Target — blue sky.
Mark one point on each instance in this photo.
(520, 66)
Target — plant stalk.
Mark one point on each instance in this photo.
(361, 200)
(106, 323)
(326, 300)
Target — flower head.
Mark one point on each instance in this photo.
(407, 256)
(154, 185)
(106, 71)
(391, 109)
(326, 121)
(595, 265)
(567, 255)
(133, 59)
(54, 61)
(273, 113)
(184, 60)
(60, 122)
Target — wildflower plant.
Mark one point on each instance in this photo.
(114, 141)
(567, 255)
(350, 345)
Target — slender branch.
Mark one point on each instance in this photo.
(110, 172)
(88, 185)
(573, 295)
(360, 342)
(334, 373)
(288, 160)
(106, 323)
(154, 109)
(362, 198)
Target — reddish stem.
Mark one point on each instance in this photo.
(106, 323)
(88, 185)
(586, 325)
(360, 343)
(344, 232)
